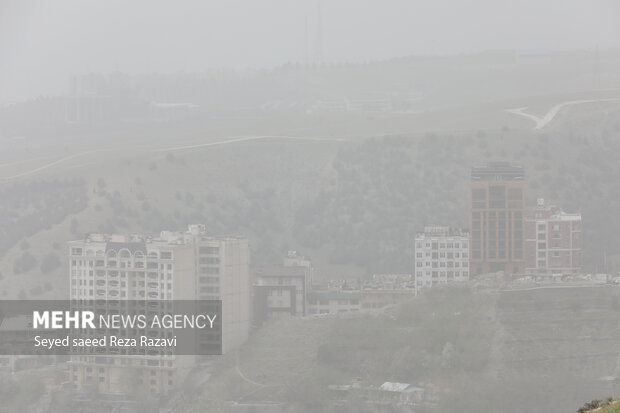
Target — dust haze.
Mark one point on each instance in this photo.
(390, 206)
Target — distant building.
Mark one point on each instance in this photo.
(553, 241)
(533, 57)
(97, 98)
(333, 302)
(370, 105)
(330, 105)
(441, 256)
(342, 284)
(11, 363)
(362, 104)
(497, 219)
(399, 393)
(389, 396)
(280, 290)
(174, 266)
(387, 289)
(293, 259)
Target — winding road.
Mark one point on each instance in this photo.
(160, 150)
(552, 113)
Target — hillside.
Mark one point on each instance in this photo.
(352, 204)
(382, 191)
(540, 349)
(601, 406)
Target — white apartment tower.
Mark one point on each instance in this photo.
(441, 257)
(174, 266)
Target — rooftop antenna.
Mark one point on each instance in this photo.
(319, 34)
(306, 41)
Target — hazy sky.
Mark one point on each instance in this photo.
(43, 42)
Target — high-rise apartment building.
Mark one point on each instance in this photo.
(174, 266)
(553, 241)
(441, 256)
(497, 219)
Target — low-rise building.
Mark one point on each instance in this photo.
(399, 393)
(387, 289)
(333, 302)
(282, 289)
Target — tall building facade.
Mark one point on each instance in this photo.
(441, 256)
(553, 241)
(174, 266)
(497, 219)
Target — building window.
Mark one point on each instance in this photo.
(479, 198)
(209, 250)
(497, 196)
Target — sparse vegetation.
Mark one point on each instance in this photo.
(382, 191)
(19, 392)
(25, 262)
(30, 207)
(49, 263)
(609, 405)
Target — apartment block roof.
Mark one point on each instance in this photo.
(502, 171)
(280, 271)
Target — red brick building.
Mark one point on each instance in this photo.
(553, 241)
(497, 219)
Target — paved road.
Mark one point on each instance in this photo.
(45, 166)
(551, 114)
(221, 141)
(248, 138)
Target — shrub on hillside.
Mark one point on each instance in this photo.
(24, 263)
(594, 404)
(49, 263)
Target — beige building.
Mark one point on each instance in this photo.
(387, 289)
(333, 302)
(174, 266)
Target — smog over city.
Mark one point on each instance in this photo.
(310, 206)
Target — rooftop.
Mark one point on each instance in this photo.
(497, 171)
(280, 271)
(334, 295)
(138, 242)
(399, 387)
(443, 231)
(553, 213)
